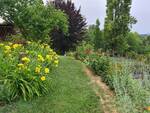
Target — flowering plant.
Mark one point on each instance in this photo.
(24, 69)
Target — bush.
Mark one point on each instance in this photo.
(100, 64)
(83, 51)
(24, 70)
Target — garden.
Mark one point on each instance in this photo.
(52, 61)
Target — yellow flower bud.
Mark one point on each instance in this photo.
(21, 66)
(48, 57)
(7, 48)
(25, 60)
(16, 46)
(38, 69)
(40, 58)
(56, 62)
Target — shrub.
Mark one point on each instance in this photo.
(83, 51)
(100, 64)
(24, 70)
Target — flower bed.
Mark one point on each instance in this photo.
(24, 69)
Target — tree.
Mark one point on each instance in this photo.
(42, 20)
(77, 26)
(90, 35)
(117, 24)
(146, 45)
(98, 36)
(10, 9)
(146, 40)
(135, 42)
(95, 36)
(33, 19)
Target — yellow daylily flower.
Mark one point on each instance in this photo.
(46, 70)
(38, 69)
(25, 59)
(48, 57)
(7, 48)
(16, 46)
(56, 62)
(43, 78)
(40, 58)
(21, 66)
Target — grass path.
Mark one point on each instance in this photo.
(103, 91)
(71, 92)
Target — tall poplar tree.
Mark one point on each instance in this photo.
(117, 24)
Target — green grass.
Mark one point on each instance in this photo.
(70, 93)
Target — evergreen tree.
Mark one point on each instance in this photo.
(98, 36)
(95, 36)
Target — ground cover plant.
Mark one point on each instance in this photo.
(24, 69)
